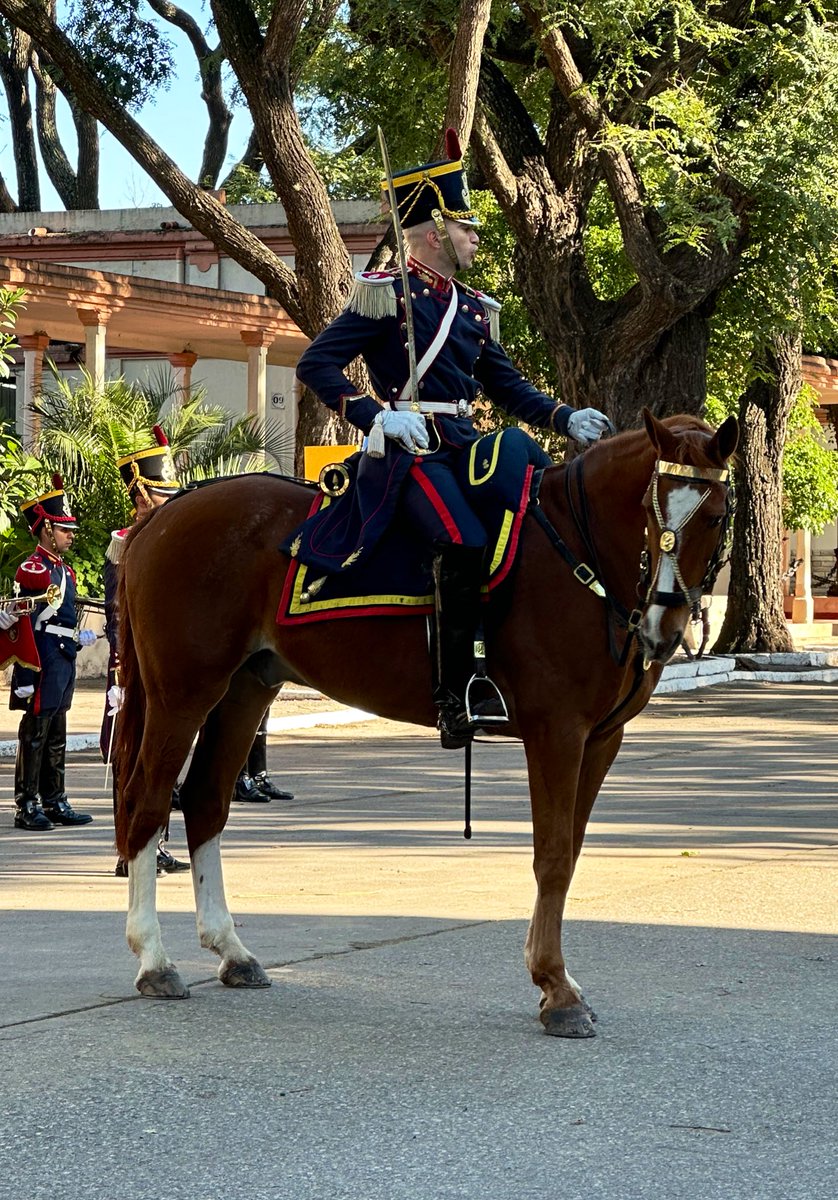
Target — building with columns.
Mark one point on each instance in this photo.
(137, 292)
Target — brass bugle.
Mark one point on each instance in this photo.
(20, 605)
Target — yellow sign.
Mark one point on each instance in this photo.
(315, 458)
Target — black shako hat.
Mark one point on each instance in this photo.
(51, 506)
(438, 186)
(152, 469)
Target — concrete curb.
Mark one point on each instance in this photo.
(801, 666)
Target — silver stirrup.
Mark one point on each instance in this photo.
(485, 681)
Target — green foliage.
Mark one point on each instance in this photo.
(11, 299)
(129, 54)
(245, 186)
(810, 470)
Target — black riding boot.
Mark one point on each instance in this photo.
(53, 795)
(467, 700)
(30, 748)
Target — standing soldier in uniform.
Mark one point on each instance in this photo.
(45, 693)
(149, 476)
(431, 347)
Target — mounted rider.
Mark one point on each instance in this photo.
(431, 348)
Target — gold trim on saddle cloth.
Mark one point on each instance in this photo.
(705, 474)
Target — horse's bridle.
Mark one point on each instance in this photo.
(668, 537)
(667, 541)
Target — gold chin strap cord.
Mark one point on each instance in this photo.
(447, 244)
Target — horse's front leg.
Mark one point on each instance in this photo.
(565, 775)
(158, 975)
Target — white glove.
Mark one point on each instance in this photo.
(587, 425)
(409, 428)
(7, 619)
(116, 695)
(23, 693)
(86, 637)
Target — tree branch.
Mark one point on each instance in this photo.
(206, 214)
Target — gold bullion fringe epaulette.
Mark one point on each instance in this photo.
(373, 295)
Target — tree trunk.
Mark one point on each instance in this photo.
(755, 620)
(87, 170)
(210, 63)
(14, 69)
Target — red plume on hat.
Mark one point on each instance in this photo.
(159, 435)
(57, 482)
(452, 144)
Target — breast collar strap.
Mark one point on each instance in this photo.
(586, 575)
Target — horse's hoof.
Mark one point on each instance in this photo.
(574, 1022)
(164, 985)
(247, 974)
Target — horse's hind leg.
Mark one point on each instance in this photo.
(145, 804)
(205, 799)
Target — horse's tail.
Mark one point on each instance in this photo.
(130, 720)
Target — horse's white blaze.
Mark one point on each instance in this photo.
(142, 928)
(679, 504)
(215, 925)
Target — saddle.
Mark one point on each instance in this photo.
(395, 578)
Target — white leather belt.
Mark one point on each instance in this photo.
(60, 631)
(449, 408)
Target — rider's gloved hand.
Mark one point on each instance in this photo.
(116, 695)
(23, 693)
(86, 637)
(7, 619)
(409, 428)
(587, 425)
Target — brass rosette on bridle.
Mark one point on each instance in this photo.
(333, 480)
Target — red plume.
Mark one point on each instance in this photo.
(57, 482)
(162, 440)
(452, 145)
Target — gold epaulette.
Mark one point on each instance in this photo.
(373, 295)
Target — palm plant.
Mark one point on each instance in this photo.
(85, 429)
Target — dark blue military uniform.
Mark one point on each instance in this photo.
(437, 489)
(55, 636)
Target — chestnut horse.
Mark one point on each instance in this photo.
(201, 651)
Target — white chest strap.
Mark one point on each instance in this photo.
(432, 353)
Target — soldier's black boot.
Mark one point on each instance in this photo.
(466, 698)
(54, 798)
(30, 747)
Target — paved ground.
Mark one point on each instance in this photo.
(398, 1054)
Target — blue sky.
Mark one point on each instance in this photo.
(176, 120)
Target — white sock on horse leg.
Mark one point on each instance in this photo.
(215, 925)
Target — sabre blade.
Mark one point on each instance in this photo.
(402, 257)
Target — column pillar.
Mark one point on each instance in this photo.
(803, 605)
(182, 364)
(95, 322)
(28, 422)
(257, 342)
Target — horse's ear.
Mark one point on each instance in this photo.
(725, 441)
(660, 437)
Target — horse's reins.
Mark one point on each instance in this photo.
(587, 575)
(668, 541)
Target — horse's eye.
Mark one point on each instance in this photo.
(714, 521)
